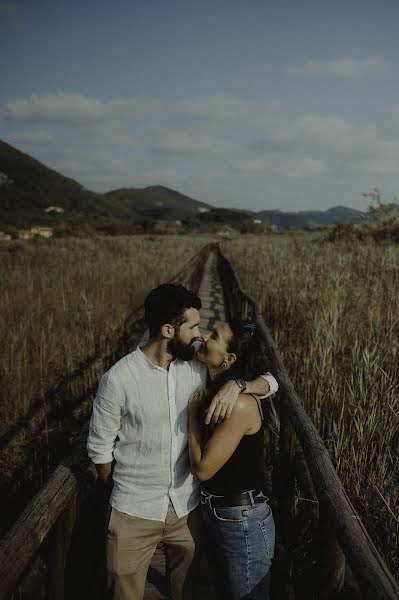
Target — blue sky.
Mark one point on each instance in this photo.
(259, 105)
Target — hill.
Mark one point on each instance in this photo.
(156, 202)
(310, 218)
(27, 188)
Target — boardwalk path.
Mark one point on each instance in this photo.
(212, 313)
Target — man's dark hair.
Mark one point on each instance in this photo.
(167, 304)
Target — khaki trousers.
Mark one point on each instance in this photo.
(131, 542)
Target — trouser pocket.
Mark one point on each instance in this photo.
(269, 533)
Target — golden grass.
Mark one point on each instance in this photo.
(333, 310)
(61, 299)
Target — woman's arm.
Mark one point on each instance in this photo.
(224, 401)
(205, 462)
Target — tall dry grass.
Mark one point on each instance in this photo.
(333, 310)
(61, 299)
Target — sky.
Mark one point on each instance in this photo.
(290, 105)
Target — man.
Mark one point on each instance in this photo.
(140, 421)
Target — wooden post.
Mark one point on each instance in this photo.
(58, 546)
(331, 560)
(286, 496)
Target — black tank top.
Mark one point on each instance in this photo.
(244, 469)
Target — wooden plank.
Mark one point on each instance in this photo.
(58, 546)
(330, 558)
(24, 539)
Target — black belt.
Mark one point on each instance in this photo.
(232, 499)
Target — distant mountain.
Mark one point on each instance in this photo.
(310, 218)
(156, 202)
(27, 188)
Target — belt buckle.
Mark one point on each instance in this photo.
(207, 499)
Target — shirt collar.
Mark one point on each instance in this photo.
(151, 364)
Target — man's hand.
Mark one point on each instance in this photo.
(105, 477)
(223, 403)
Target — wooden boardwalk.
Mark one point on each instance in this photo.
(212, 312)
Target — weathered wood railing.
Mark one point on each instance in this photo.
(55, 547)
(304, 463)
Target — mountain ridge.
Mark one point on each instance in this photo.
(27, 187)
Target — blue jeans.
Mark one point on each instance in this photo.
(240, 544)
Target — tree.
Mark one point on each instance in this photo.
(381, 213)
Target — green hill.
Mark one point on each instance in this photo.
(156, 202)
(27, 188)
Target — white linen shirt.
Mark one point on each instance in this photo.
(140, 419)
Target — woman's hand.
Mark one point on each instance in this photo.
(222, 403)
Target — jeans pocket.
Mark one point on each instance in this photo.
(228, 514)
(269, 533)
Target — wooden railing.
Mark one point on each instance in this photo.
(304, 470)
(55, 547)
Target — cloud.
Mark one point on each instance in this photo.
(39, 136)
(76, 108)
(351, 68)
(222, 149)
(315, 133)
(183, 142)
(293, 167)
(62, 108)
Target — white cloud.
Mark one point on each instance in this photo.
(60, 108)
(315, 134)
(219, 106)
(292, 167)
(38, 136)
(219, 148)
(183, 142)
(76, 108)
(344, 68)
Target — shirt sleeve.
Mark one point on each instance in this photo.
(273, 385)
(105, 420)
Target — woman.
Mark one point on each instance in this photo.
(228, 460)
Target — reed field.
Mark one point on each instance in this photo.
(333, 311)
(60, 299)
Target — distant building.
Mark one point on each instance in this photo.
(178, 222)
(4, 236)
(54, 209)
(46, 232)
(4, 179)
(257, 221)
(24, 234)
(203, 209)
(37, 230)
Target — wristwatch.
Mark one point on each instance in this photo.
(242, 384)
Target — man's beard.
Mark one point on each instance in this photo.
(179, 349)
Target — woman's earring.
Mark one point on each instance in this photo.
(224, 365)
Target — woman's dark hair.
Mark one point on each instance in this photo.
(252, 358)
(167, 304)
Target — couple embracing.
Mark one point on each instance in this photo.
(178, 436)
